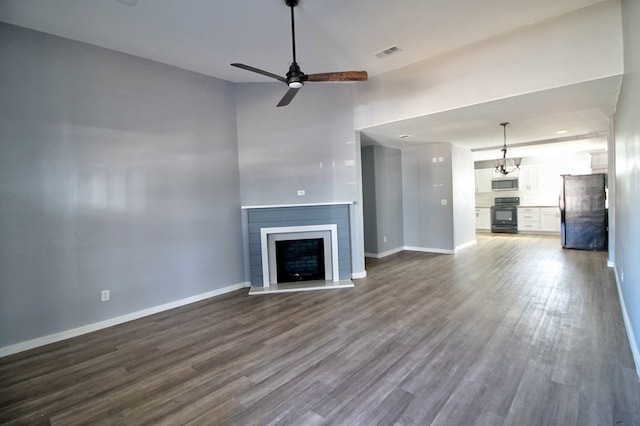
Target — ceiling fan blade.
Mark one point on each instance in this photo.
(259, 71)
(338, 76)
(286, 99)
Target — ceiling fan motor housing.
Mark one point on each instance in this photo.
(295, 77)
(292, 3)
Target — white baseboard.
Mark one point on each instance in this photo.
(627, 325)
(429, 250)
(358, 275)
(422, 249)
(384, 253)
(465, 245)
(56, 337)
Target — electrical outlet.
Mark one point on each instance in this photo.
(384, 239)
(104, 295)
(301, 192)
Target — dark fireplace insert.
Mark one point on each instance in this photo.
(300, 260)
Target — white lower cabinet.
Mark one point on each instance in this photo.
(483, 180)
(528, 219)
(483, 219)
(550, 219)
(539, 219)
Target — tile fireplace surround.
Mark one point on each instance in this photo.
(264, 224)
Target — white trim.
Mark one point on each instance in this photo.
(384, 253)
(264, 246)
(275, 206)
(635, 351)
(611, 264)
(359, 275)
(421, 249)
(465, 245)
(56, 337)
(429, 250)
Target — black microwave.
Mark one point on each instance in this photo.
(504, 184)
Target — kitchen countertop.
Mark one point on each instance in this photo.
(522, 205)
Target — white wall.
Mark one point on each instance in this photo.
(463, 176)
(627, 176)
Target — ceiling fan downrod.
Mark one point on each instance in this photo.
(295, 78)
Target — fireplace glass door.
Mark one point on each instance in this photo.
(300, 260)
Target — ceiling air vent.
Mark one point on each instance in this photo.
(388, 51)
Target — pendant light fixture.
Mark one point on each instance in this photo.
(503, 165)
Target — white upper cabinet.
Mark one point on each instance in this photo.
(528, 180)
(483, 180)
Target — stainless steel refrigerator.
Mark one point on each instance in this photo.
(583, 212)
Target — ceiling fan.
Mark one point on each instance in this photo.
(295, 78)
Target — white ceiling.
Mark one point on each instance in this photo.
(571, 118)
(334, 35)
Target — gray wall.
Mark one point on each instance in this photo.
(382, 192)
(115, 173)
(369, 207)
(463, 177)
(627, 185)
(308, 145)
(428, 224)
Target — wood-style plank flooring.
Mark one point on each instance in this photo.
(512, 331)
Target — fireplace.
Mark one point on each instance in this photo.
(266, 225)
(299, 253)
(300, 260)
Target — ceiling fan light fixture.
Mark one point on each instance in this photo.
(295, 84)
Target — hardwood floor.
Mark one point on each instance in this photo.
(512, 331)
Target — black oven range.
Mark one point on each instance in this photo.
(504, 215)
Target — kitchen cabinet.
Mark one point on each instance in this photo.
(528, 178)
(483, 219)
(528, 219)
(483, 180)
(538, 219)
(550, 219)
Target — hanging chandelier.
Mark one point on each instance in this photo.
(503, 165)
